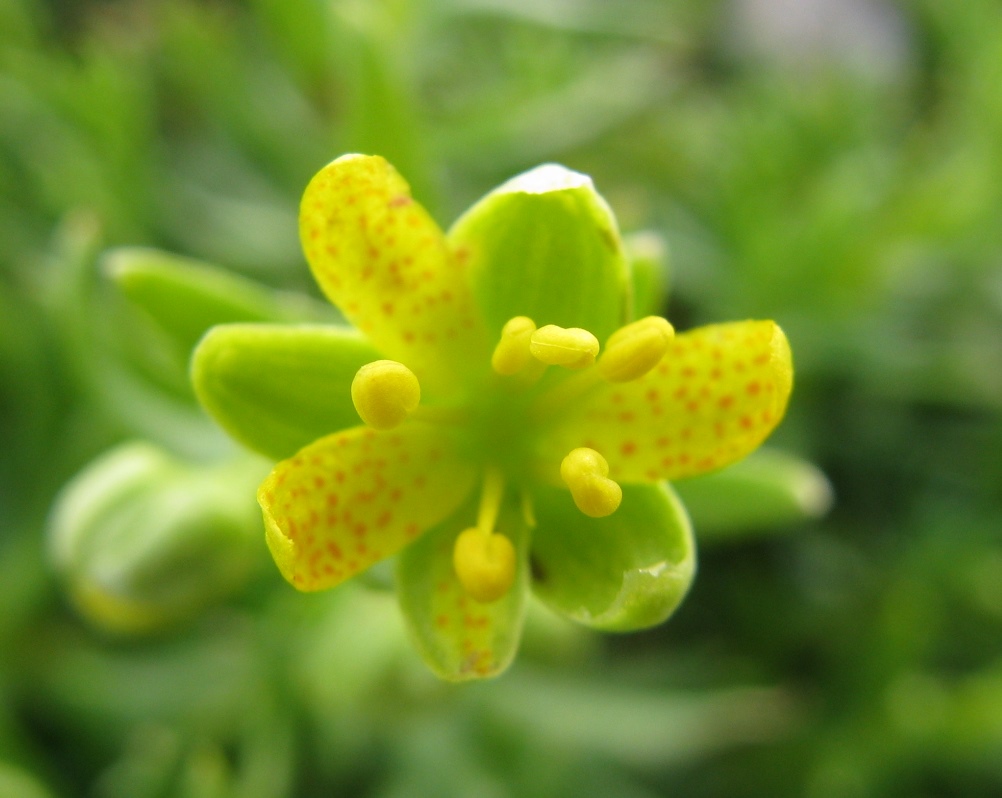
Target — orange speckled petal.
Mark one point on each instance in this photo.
(714, 397)
(350, 499)
(384, 262)
(459, 638)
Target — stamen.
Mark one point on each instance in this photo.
(631, 352)
(556, 399)
(586, 473)
(485, 565)
(570, 347)
(511, 354)
(484, 561)
(635, 349)
(384, 393)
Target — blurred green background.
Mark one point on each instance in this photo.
(833, 164)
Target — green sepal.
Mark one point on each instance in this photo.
(768, 490)
(185, 297)
(545, 245)
(629, 570)
(144, 539)
(277, 388)
(459, 638)
(647, 254)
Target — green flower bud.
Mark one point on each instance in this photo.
(144, 540)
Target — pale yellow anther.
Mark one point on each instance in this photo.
(384, 393)
(570, 347)
(484, 560)
(635, 349)
(586, 473)
(511, 354)
(485, 564)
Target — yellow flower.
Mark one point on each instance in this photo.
(518, 426)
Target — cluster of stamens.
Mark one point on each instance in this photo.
(386, 393)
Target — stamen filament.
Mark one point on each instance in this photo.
(630, 353)
(528, 511)
(557, 398)
(490, 500)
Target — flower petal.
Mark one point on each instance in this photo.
(715, 396)
(350, 499)
(384, 262)
(276, 388)
(545, 245)
(458, 637)
(629, 570)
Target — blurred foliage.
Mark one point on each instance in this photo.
(848, 186)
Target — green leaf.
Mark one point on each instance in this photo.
(614, 719)
(185, 297)
(767, 490)
(459, 638)
(629, 570)
(381, 105)
(17, 782)
(545, 245)
(276, 388)
(647, 254)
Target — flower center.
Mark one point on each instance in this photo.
(502, 422)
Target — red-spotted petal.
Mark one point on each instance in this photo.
(384, 262)
(348, 500)
(713, 398)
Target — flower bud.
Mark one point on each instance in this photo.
(144, 540)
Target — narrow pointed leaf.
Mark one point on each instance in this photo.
(185, 297)
(768, 490)
(648, 257)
